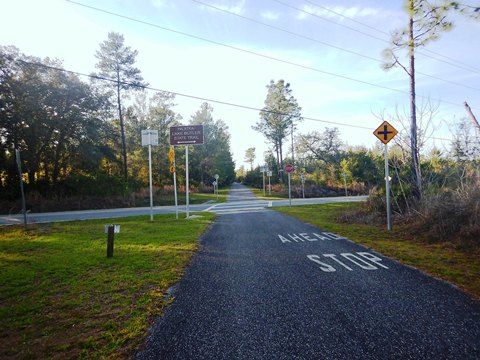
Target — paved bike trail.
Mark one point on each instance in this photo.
(267, 286)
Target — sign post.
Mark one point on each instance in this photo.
(173, 170)
(186, 135)
(24, 206)
(302, 177)
(263, 169)
(216, 183)
(269, 174)
(150, 137)
(386, 132)
(289, 169)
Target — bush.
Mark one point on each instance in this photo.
(453, 214)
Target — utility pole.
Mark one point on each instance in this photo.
(472, 117)
(477, 128)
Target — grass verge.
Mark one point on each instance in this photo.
(268, 195)
(194, 198)
(61, 297)
(443, 260)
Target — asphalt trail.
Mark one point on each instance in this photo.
(267, 286)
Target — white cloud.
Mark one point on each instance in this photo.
(337, 12)
(159, 3)
(270, 15)
(237, 7)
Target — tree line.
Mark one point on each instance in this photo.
(78, 137)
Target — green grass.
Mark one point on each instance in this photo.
(194, 198)
(269, 196)
(444, 260)
(61, 297)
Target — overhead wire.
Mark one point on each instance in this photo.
(256, 53)
(147, 87)
(325, 43)
(453, 62)
(221, 102)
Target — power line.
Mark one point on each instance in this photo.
(255, 53)
(325, 43)
(102, 78)
(455, 63)
(221, 102)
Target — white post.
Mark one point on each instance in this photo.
(303, 185)
(175, 186)
(289, 191)
(187, 182)
(263, 176)
(345, 181)
(150, 174)
(387, 189)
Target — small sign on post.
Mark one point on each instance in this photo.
(386, 132)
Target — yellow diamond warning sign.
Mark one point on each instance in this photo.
(385, 132)
(171, 154)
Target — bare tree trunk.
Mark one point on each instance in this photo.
(281, 159)
(415, 165)
(279, 164)
(122, 130)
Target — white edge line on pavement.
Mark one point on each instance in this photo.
(211, 207)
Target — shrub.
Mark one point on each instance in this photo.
(453, 214)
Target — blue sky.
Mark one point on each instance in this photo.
(333, 67)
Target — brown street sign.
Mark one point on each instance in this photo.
(385, 132)
(186, 135)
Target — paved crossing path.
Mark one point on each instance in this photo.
(267, 286)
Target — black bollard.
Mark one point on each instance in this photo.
(111, 231)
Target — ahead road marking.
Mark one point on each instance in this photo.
(306, 237)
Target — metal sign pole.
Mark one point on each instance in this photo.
(302, 176)
(263, 176)
(175, 186)
(187, 182)
(289, 191)
(387, 189)
(150, 174)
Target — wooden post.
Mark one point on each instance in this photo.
(110, 236)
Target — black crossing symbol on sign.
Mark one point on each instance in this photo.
(385, 132)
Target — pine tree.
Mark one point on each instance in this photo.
(115, 62)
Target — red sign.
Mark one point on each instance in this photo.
(289, 168)
(186, 135)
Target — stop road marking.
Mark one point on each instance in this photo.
(360, 261)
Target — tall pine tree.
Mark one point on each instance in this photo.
(116, 63)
